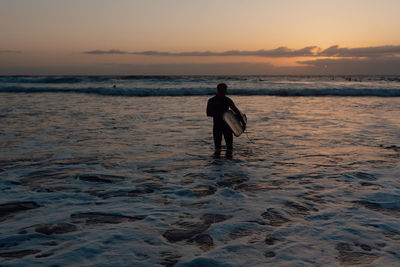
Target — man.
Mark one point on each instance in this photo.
(216, 107)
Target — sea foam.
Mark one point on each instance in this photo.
(381, 86)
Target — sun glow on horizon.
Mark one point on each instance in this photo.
(54, 33)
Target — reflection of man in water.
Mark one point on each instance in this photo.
(216, 107)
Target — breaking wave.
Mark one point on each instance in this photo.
(352, 86)
(208, 91)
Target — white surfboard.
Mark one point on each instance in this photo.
(233, 121)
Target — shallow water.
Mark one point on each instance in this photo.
(109, 180)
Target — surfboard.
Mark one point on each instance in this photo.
(233, 121)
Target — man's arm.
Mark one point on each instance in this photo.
(210, 108)
(236, 110)
(233, 107)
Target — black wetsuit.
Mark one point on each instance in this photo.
(216, 107)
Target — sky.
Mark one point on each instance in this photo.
(163, 37)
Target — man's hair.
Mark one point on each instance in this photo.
(222, 86)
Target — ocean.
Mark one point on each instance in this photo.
(383, 86)
(120, 171)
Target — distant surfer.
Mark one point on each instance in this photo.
(216, 107)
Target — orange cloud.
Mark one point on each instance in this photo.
(280, 52)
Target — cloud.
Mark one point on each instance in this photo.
(10, 52)
(237, 68)
(155, 69)
(280, 52)
(373, 51)
(377, 66)
(367, 66)
(106, 52)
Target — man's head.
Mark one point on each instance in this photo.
(221, 89)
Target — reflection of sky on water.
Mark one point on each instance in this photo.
(328, 166)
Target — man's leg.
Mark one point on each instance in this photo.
(228, 137)
(217, 134)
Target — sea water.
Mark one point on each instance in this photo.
(93, 174)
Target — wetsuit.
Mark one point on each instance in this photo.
(216, 107)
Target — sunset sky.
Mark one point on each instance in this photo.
(199, 37)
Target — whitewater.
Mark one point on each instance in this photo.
(383, 86)
(97, 175)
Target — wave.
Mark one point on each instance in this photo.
(304, 92)
(86, 79)
(193, 78)
(44, 79)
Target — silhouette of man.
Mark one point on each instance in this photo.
(216, 107)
